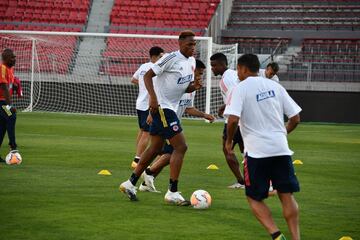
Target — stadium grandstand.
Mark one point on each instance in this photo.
(316, 43)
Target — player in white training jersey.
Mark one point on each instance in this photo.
(186, 105)
(259, 106)
(142, 103)
(228, 80)
(270, 71)
(175, 76)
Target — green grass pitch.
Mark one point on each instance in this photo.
(56, 192)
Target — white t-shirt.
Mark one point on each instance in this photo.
(261, 105)
(262, 74)
(186, 101)
(228, 81)
(174, 73)
(142, 101)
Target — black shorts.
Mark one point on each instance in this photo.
(259, 171)
(237, 137)
(142, 116)
(165, 124)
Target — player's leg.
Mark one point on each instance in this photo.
(263, 215)
(233, 163)
(142, 140)
(155, 168)
(176, 161)
(10, 128)
(257, 178)
(128, 187)
(173, 132)
(179, 144)
(156, 144)
(286, 183)
(158, 166)
(291, 214)
(2, 131)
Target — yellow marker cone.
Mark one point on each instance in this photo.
(346, 238)
(212, 167)
(104, 172)
(297, 162)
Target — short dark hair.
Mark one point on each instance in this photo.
(251, 61)
(200, 64)
(186, 33)
(274, 66)
(219, 57)
(155, 51)
(7, 52)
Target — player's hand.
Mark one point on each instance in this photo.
(198, 82)
(228, 147)
(209, 117)
(149, 119)
(13, 109)
(153, 105)
(221, 111)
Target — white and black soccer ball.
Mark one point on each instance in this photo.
(13, 157)
(200, 199)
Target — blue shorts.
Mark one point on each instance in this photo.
(165, 124)
(259, 171)
(142, 116)
(167, 149)
(237, 137)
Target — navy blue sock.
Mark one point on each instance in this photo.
(275, 234)
(133, 179)
(173, 185)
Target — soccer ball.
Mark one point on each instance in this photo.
(200, 199)
(13, 158)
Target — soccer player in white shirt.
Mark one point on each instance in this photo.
(175, 76)
(259, 106)
(270, 71)
(142, 103)
(228, 80)
(186, 105)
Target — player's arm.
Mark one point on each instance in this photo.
(5, 89)
(232, 126)
(195, 85)
(192, 111)
(221, 110)
(292, 123)
(148, 80)
(134, 81)
(291, 110)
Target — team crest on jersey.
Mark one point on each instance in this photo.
(175, 128)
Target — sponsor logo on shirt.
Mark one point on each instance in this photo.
(184, 102)
(185, 79)
(142, 73)
(265, 95)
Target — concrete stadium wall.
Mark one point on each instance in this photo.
(336, 107)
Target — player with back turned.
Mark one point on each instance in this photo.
(259, 106)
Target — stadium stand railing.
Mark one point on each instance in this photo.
(150, 17)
